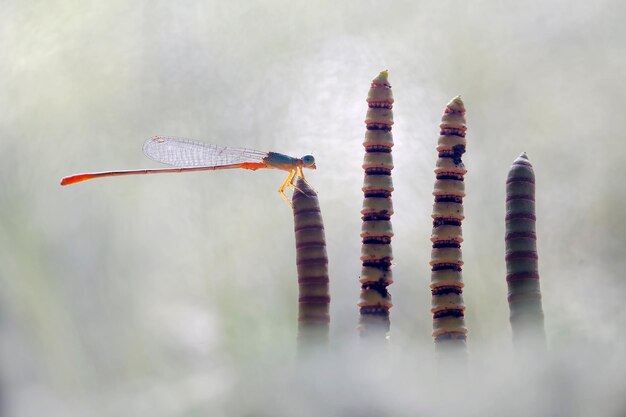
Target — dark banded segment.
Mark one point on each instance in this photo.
(524, 293)
(521, 276)
(312, 267)
(519, 216)
(446, 262)
(376, 232)
(530, 181)
(315, 299)
(514, 255)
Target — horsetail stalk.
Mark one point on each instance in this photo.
(521, 256)
(448, 309)
(376, 232)
(312, 266)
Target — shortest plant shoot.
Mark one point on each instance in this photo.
(312, 266)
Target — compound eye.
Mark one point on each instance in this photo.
(308, 160)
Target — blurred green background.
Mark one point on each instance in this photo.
(176, 295)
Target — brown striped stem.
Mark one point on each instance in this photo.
(448, 309)
(376, 232)
(526, 313)
(312, 266)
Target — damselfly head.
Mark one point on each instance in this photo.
(308, 161)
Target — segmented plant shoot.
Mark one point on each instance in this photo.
(448, 309)
(312, 265)
(521, 256)
(376, 232)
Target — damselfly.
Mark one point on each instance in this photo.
(190, 155)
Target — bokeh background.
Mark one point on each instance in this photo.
(175, 295)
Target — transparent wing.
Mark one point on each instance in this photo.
(181, 152)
